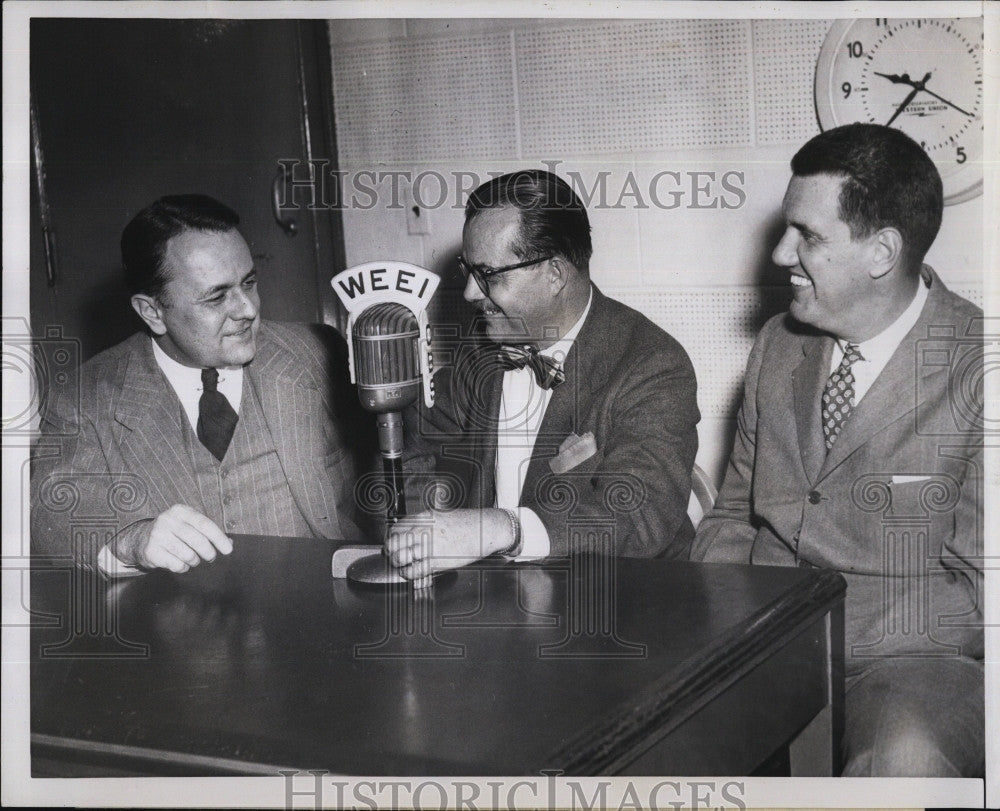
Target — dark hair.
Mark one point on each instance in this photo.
(553, 219)
(144, 240)
(889, 181)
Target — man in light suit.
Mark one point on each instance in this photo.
(212, 423)
(573, 426)
(859, 449)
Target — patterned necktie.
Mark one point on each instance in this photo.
(838, 395)
(548, 373)
(216, 418)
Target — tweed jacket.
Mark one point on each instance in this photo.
(895, 506)
(111, 454)
(630, 385)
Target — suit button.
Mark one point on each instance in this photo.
(814, 497)
(225, 474)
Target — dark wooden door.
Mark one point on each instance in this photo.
(127, 110)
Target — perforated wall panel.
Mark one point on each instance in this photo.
(424, 99)
(717, 327)
(587, 87)
(617, 87)
(784, 60)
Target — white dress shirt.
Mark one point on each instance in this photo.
(522, 408)
(186, 383)
(877, 351)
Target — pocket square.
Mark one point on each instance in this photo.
(573, 451)
(908, 479)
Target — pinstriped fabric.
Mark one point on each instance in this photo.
(247, 491)
(124, 435)
(301, 400)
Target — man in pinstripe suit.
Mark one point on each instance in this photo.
(128, 445)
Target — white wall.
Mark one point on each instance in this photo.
(630, 98)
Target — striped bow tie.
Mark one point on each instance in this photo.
(548, 373)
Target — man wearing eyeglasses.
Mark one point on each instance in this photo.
(573, 427)
(211, 423)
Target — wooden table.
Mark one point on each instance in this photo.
(589, 665)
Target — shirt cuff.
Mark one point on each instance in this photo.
(112, 567)
(534, 536)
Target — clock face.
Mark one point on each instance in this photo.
(924, 77)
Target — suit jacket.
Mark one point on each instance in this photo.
(896, 505)
(629, 384)
(111, 454)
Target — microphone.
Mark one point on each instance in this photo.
(389, 353)
(385, 343)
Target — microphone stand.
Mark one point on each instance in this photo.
(390, 360)
(386, 352)
(390, 436)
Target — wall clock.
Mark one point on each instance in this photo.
(924, 77)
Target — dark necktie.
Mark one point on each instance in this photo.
(548, 373)
(838, 395)
(216, 418)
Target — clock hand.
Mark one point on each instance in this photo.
(940, 98)
(904, 79)
(917, 87)
(903, 106)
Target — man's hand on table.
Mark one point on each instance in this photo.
(435, 541)
(178, 539)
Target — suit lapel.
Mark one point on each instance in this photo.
(557, 424)
(808, 379)
(896, 392)
(584, 365)
(293, 407)
(152, 440)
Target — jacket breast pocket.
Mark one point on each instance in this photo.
(924, 496)
(588, 465)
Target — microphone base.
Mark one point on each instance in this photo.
(374, 570)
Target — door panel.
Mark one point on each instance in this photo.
(129, 110)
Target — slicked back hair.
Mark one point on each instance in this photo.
(144, 240)
(553, 218)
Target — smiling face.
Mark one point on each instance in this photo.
(209, 311)
(831, 276)
(521, 302)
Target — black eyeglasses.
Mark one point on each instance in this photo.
(482, 273)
